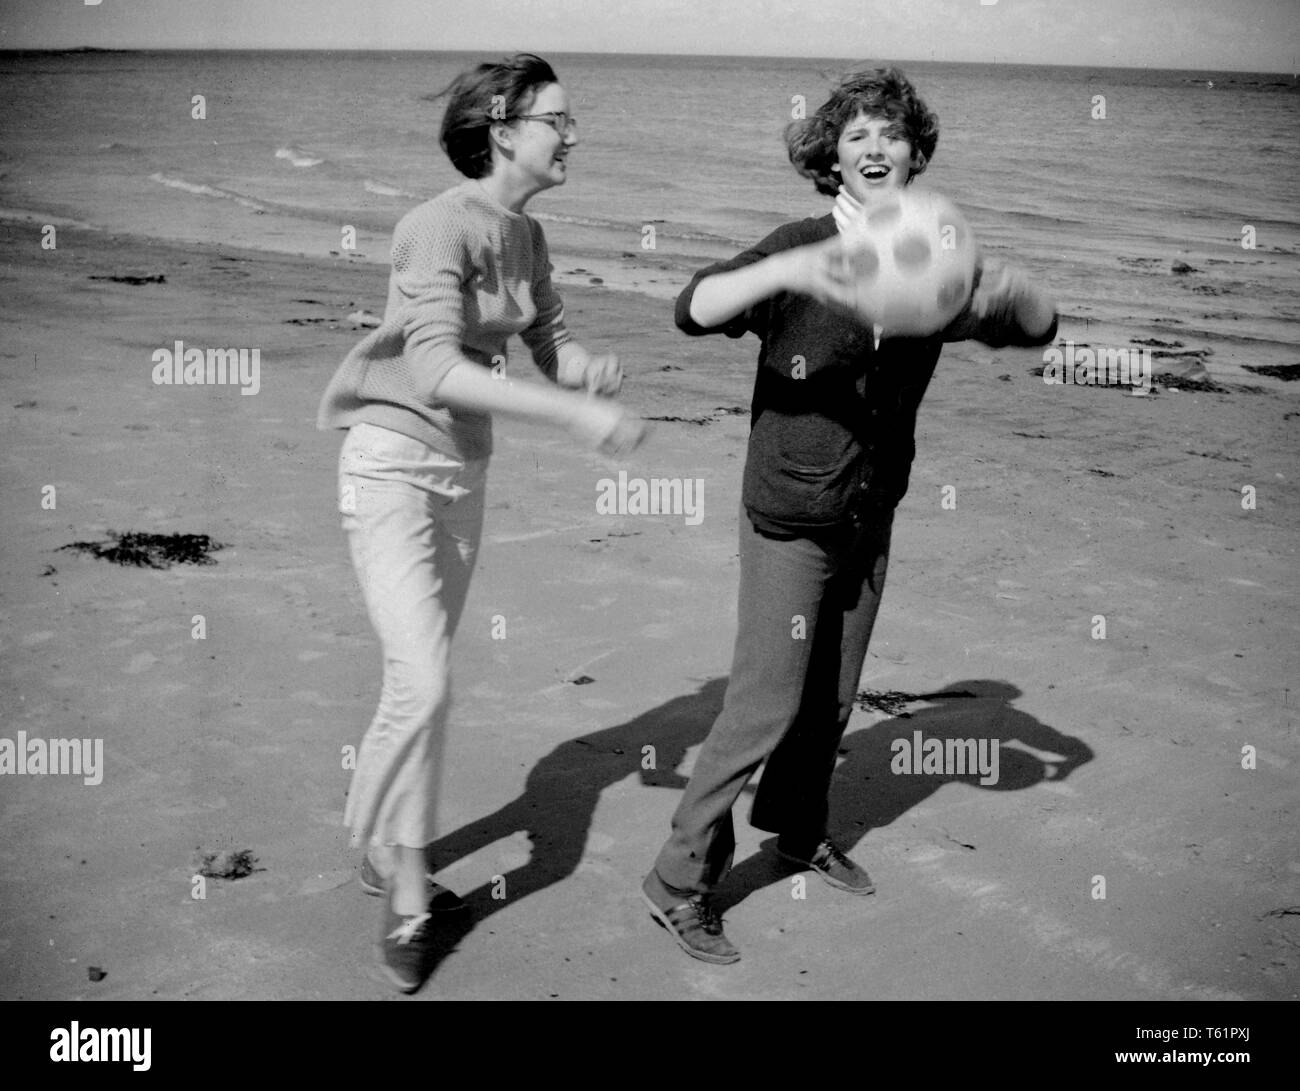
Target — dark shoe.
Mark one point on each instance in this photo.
(831, 864)
(441, 900)
(695, 925)
(405, 948)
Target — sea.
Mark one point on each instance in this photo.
(1096, 181)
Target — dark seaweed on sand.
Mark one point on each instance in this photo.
(1289, 373)
(235, 864)
(892, 702)
(1171, 381)
(150, 550)
(1178, 382)
(156, 278)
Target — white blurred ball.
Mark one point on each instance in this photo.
(913, 261)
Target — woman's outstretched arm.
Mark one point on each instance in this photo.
(814, 270)
(595, 422)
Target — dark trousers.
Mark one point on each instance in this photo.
(807, 607)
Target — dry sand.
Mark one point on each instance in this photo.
(1120, 758)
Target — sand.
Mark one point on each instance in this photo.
(1121, 758)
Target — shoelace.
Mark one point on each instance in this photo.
(710, 919)
(409, 929)
(829, 853)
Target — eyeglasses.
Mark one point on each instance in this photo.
(558, 120)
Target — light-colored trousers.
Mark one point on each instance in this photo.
(413, 518)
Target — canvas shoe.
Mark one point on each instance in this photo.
(406, 949)
(694, 924)
(830, 863)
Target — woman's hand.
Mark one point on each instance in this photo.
(819, 270)
(602, 374)
(848, 216)
(596, 373)
(1001, 288)
(607, 427)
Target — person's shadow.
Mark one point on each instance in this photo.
(564, 788)
(866, 792)
(560, 797)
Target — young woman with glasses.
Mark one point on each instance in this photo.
(417, 397)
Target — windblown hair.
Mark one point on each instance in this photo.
(482, 96)
(878, 92)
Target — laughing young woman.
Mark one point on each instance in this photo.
(417, 397)
(830, 450)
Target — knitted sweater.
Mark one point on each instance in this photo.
(467, 273)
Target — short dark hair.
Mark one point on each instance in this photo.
(480, 97)
(879, 92)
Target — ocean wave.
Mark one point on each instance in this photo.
(298, 157)
(708, 236)
(382, 189)
(29, 216)
(1023, 215)
(765, 214)
(1260, 82)
(581, 221)
(120, 148)
(201, 190)
(613, 225)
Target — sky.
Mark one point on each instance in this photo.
(1248, 35)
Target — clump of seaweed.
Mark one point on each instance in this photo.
(232, 864)
(1179, 382)
(131, 278)
(893, 702)
(150, 550)
(1288, 373)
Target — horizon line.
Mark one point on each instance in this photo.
(620, 53)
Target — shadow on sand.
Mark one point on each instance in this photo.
(867, 795)
(563, 789)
